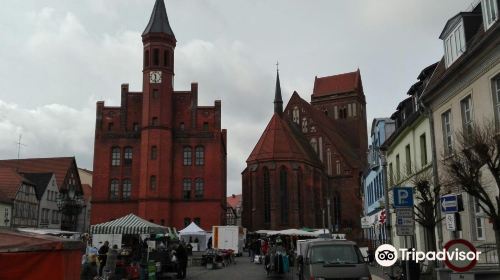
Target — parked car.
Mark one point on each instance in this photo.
(325, 259)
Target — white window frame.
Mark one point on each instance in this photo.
(447, 132)
(304, 124)
(495, 85)
(454, 44)
(490, 12)
(296, 115)
(478, 220)
(466, 108)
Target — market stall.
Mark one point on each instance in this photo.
(196, 236)
(25, 255)
(144, 243)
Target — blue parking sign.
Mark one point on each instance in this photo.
(403, 197)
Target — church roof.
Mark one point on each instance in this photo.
(341, 83)
(158, 23)
(282, 141)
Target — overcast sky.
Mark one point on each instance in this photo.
(58, 57)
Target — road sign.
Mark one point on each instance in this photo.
(450, 222)
(403, 197)
(460, 246)
(366, 222)
(405, 221)
(449, 203)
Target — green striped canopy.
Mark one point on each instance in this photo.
(130, 224)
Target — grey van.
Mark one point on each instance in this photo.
(325, 259)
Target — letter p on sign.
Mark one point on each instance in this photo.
(403, 197)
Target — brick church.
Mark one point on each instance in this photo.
(309, 154)
(159, 154)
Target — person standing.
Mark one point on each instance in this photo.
(89, 269)
(103, 256)
(182, 258)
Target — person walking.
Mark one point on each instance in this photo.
(182, 258)
(103, 256)
(111, 261)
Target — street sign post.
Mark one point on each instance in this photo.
(403, 197)
(449, 203)
(405, 221)
(450, 222)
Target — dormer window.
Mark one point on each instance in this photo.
(490, 12)
(454, 44)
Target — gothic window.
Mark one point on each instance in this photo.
(304, 125)
(199, 185)
(115, 156)
(127, 156)
(284, 196)
(199, 155)
(299, 196)
(267, 196)
(152, 182)
(296, 116)
(314, 144)
(188, 157)
(329, 160)
(127, 189)
(156, 57)
(110, 126)
(146, 58)
(205, 126)
(186, 188)
(114, 189)
(181, 126)
(135, 127)
(154, 152)
(338, 167)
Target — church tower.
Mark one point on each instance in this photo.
(157, 114)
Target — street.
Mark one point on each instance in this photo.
(243, 269)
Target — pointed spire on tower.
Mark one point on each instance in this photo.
(278, 101)
(158, 23)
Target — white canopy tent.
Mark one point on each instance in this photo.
(194, 232)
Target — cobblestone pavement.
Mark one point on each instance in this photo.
(243, 269)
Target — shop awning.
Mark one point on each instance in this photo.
(130, 224)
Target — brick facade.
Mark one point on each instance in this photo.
(308, 153)
(164, 143)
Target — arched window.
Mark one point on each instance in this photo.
(154, 121)
(329, 160)
(197, 221)
(188, 156)
(187, 221)
(127, 156)
(199, 186)
(146, 58)
(304, 125)
(314, 144)
(154, 152)
(338, 167)
(115, 156)
(186, 188)
(156, 57)
(114, 189)
(284, 195)
(296, 115)
(127, 189)
(299, 197)
(152, 182)
(199, 155)
(267, 196)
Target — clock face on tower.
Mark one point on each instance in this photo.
(155, 77)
